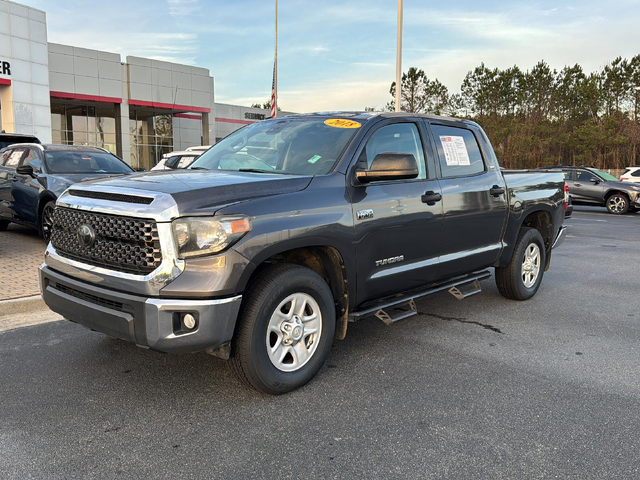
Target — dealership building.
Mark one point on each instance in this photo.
(138, 108)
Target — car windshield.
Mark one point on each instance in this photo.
(84, 162)
(297, 146)
(606, 176)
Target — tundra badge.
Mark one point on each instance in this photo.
(387, 261)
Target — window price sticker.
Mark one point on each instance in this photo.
(455, 151)
(341, 123)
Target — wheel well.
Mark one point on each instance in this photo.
(326, 262)
(43, 201)
(541, 221)
(614, 192)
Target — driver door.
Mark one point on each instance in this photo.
(397, 234)
(585, 188)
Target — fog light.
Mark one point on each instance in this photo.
(189, 321)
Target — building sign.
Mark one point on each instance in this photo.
(254, 116)
(5, 68)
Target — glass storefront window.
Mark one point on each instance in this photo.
(76, 124)
(151, 135)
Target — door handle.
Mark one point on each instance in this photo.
(496, 190)
(577, 184)
(431, 197)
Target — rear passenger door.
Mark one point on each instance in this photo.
(474, 199)
(10, 160)
(6, 175)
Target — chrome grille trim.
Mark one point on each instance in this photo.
(162, 210)
(123, 243)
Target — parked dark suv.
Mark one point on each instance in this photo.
(32, 177)
(590, 186)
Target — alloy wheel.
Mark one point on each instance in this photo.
(47, 222)
(616, 204)
(531, 265)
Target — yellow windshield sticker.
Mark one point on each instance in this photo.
(342, 123)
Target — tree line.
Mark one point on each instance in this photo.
(542, 116)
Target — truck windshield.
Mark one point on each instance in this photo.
(298, 146)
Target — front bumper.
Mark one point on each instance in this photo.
(148, 322)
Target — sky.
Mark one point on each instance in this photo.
(340, 55)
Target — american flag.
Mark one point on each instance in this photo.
(273, 92)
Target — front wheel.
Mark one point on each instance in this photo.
(618, 204)
(46, 220)
(521, 278)
(287, 324)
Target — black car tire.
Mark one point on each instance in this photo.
(46, 220)
(250, 359)
(3, 225)
(618, 204)
(509, 279)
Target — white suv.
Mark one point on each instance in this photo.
(631, 174)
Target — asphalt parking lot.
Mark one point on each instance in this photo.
(480, 388)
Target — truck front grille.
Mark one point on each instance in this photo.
(119, 243)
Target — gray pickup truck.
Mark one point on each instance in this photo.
(280, 235)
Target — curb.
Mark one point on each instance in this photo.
(22, 305)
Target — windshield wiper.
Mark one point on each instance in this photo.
(256, 170)
(198, 168)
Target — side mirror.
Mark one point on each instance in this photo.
(389, 166)
(172, 163)
(141, 169)
(25, 170)
(595, 181)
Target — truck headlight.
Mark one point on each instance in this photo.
(197, 236)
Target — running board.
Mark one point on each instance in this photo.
(404, 306)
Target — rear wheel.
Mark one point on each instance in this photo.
(521, 278)
(46, 220)
(3, 225)
(287, 324)
(618, 204)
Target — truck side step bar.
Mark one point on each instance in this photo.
(390, 310)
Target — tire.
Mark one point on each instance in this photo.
(46, 220)
(618, 204)
(513, 281)
(267, 303)
(3, 225)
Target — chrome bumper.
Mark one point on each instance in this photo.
(562, 234)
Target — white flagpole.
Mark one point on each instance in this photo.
(275, 68)
(399, 58)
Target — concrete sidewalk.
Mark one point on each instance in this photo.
(21, 253)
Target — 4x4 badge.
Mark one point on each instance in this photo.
(364, 214)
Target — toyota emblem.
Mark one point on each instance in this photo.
(86, 235)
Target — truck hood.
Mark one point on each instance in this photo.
(58, 182)
(198, 192)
